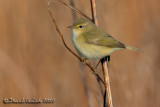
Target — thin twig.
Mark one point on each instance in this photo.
(60, 34)
(78, 11)
(104, 63)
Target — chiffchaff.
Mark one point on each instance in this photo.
(91, 42)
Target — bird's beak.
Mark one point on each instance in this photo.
(71, 27)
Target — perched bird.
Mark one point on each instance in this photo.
(91, 42)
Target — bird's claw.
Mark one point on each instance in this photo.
(94, 71)
(83, 62)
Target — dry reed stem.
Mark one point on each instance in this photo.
(60, 34)
(104, 63)
(94, 12)
(107, 81)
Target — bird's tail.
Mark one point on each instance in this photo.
(133, 48)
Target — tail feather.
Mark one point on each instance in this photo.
(133, 48)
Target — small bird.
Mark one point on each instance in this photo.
(93, 43)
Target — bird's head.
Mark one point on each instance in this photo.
(82, 26)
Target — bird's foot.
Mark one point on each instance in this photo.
(94, 71)
(83, 61)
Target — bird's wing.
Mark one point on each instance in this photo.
(101, 40)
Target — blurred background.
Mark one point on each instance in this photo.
(35, 64)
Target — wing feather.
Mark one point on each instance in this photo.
(101, 40)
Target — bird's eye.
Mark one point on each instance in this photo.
(80, 26)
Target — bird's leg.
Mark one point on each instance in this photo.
(108, 60)
(97, 64)
(95, 68)
(84, 61)
(94, 71)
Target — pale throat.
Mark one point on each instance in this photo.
(75, 33)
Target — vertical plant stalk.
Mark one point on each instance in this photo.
(107, 95)
(104, 63)
(94, 12)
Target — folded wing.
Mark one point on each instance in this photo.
(101, 40)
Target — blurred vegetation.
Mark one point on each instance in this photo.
(35, 64)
